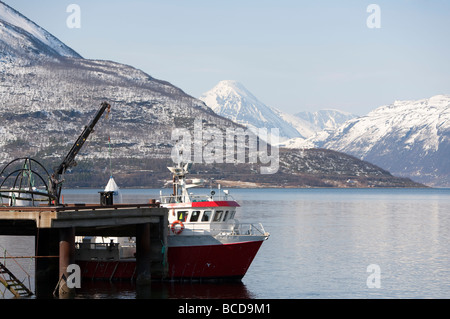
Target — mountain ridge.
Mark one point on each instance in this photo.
(409, 138)
(415, 131)
(48, 97)
(232, 100)
(29, 40)
(326, 118)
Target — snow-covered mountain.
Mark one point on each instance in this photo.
(408, 138)
(232, 100)
(326, 119)
(48, 93)
(316, 126)
(21, 40)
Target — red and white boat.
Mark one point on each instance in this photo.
(205, 240)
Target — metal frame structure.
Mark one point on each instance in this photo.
(50, 191)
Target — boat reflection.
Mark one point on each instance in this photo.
(162, 290)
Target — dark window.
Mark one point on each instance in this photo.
(195, 215)
(182, 216)
(218, 216)
(206, 216)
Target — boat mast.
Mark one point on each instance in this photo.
(179, 172)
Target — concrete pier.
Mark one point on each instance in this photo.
(55, 229)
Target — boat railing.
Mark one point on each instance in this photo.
(179, 198)
(90, 245)
(245, 229)
(97, 251)
(168, 199)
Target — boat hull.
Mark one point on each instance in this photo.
(211, 260)
(224, 261)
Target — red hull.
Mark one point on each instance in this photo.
(227, 261)
(215, 261)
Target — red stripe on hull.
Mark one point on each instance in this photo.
(213, 261)
(215, 204)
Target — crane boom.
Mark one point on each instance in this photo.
(69, 160)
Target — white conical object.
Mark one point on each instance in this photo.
(112, 187)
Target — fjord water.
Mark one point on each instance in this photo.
(321, 244)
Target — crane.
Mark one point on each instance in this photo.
(55, 183)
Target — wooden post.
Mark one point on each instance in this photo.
(66, 258)
(143, 254)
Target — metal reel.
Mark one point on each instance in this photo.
(25, 183)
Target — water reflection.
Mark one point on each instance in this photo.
(162, 290)
(320, 246)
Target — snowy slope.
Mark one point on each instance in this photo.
(48, 92)
(232, 100)
(20, 37)
(326, 119)
(316, 126)
(409, 138)
(305, 128)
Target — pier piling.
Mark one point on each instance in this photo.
(143, 254)
(46, 269)
(66, 258)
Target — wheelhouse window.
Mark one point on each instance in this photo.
(225, 216)
(218, 216)
(182, 216)
(195, 215)
(206, 216)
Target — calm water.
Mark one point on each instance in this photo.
(321, 243)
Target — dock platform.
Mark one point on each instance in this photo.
(55, 228)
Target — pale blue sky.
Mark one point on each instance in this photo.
(293, 55)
